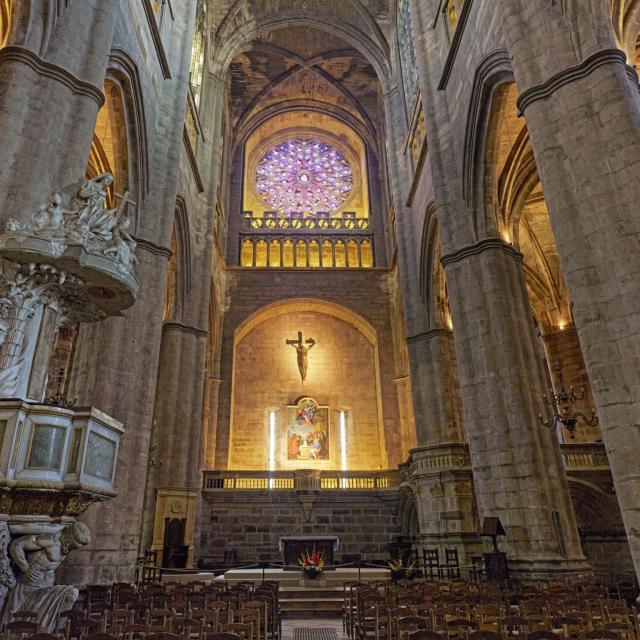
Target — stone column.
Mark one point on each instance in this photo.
(176, 440)
(582, 109)
(443, 486)
(517, 467)
(210, 422)
(114, 369)
(51, 76)
(116, 361)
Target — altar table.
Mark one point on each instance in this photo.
(293, 546)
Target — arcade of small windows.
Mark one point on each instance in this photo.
(306, 253)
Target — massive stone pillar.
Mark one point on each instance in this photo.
(51, 75)
(180, 435)
(439, 469)
(517, 467)
(582, 109)
(116, 361)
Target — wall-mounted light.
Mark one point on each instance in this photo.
(272, 445)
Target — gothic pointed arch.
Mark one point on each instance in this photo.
(492, 77)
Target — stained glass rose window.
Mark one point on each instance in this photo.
(305, 176)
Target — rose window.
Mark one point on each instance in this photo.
(306, 176)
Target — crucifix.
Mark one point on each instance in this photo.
(302, 353)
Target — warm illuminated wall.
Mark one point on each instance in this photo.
(342, 374)
(306, 125)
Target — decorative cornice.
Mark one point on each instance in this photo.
(478, 248)
(428, 335)
(577, 72)
(184, 328)
(52, 71)
(151, 247)
(455, 44)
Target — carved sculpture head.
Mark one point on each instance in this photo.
(74, 536)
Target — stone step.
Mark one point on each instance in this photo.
(300, 603)
(306, 615)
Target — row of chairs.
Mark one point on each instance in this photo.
(384, 612)
(194, 612)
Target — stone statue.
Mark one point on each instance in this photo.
(302, 353)
(86, 221)
(122, 244)
(37, 557)
(7, 577)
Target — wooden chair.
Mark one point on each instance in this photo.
(541, 634)
(572, 626)
(511, 626)
(164, 635)
(80, 627)
(601, 634)
(460, 627)
(221, 635)
(484, 634)
(19, 629)
(425, 634)
(408, 624)
(133, 632)
(101, 636)
(42, 636)
(245, 631)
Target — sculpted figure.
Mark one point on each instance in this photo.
(122, 244)
(89, 207)
(37, 557)
(55, 212)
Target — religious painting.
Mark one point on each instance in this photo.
(307, 431)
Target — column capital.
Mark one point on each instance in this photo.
(572, 74)
(45, 69)
(480, 247)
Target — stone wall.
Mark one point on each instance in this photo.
(365, 295)
(250, 523)
(341, 375)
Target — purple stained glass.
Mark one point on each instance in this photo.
(305, 176)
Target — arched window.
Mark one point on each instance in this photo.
(341, 254)
(261, 253)
(352, 254)
(171, 293)
(274, 253)
(246, 259)
(301, 254)
(314, 253)
(109, 150)
(408, 63)
(366, 254)
(287, 253)
(327, 254)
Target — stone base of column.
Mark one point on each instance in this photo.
(549, 568)
(441, 480)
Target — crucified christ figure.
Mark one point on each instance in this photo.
(302, 353)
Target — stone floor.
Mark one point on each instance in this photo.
(289, 624)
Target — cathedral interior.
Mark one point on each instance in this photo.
(363, 269)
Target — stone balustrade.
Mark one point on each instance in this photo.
(347, 221)
(304, 479)
(588, 456)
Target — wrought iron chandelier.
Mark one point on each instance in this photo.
(561, 403)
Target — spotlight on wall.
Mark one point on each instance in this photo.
(272, 445)
(561, 402)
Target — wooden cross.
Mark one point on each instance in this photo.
(124, 201)
(299, 342)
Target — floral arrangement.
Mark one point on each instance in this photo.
(311, 563)
(400, 570)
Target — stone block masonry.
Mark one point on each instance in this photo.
(249, 524)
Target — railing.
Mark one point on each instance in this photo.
(302, 479)
(258, 250)
(588, 456)
(300, 222)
